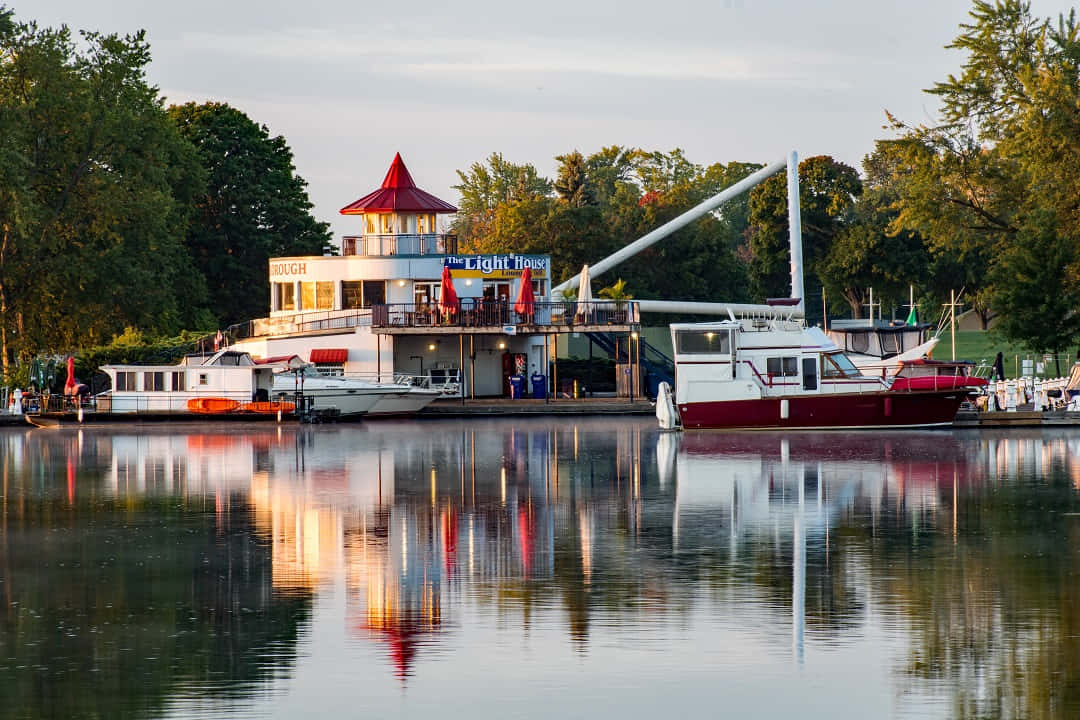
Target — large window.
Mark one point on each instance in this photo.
(178, 382)
(125, 381)
(703, 342)
(426, 293)
(285, 296)
(316, 296)
(154, 381)
(837, 365)
(357, 294)
(782, 367)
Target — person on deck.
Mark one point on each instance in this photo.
(999, 368)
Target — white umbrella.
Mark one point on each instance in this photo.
(584, 296)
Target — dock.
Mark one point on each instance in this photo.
(527, 406)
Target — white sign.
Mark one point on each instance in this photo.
(510, 329)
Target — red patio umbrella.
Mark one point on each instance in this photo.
(448, 298)
(69, 386)
(526, 300)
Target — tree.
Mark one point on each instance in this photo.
(255, 207)
(95, 192)
(827, 193)
(486, 187)
(1004, 161)
(573, 186)
(1036, 287)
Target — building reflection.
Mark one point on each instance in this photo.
(416, 522)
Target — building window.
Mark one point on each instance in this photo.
(426, 293)
(421, 224)
(178, 382)
(356, 294)
(387, 226)
(125, 381)
(203, 380)
(369, 224)
(285, 296)
(324, 295)
(539, 288)
(154, 381)
(497, 290)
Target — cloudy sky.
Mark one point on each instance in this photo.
(350, 83)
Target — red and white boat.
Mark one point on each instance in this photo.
(927, 374)
(771, 371)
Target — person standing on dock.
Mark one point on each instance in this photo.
(999, 368)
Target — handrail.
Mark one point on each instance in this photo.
(481, 312)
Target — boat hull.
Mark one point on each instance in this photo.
(836, 411)
(404, 403)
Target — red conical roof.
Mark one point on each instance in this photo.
(398, 194)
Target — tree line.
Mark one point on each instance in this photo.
(983, 200)
(118, 212)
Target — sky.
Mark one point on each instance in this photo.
(348, 84)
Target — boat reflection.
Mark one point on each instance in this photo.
(803, 543)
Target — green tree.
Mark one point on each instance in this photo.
(256, 207)
(827, 193)
(487, 186)
(573, 185)
(95, 194)
(1005, 152)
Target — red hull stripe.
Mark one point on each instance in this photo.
(865, 410)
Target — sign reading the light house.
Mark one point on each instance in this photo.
(497, 267)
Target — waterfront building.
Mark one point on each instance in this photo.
(377, 309)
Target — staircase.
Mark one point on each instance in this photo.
(658, 366)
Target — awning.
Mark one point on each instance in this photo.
(329, 355)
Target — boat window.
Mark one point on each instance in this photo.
(125, 381)
(836, 364)
(154, 381)
(891, 344)
(809, 373)
(858, 342)
(177, 382)
(702, 342)
(285, 296)
(203, 380)
(782, 367)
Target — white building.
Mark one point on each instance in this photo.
(375, 310)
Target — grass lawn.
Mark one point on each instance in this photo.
(979, 346)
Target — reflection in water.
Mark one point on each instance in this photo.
(203, 573)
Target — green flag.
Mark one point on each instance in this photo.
(913, 316)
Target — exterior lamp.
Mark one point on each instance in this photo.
(401, 283)
(502, 345)
(431, 346)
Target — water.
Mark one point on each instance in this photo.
(535, 568)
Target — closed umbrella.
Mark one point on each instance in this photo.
(70, 385)
(448, 297)
(584, 297)
(526, 299)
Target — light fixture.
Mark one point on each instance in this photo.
(634, 335)
(709, 335)
(502, 345)
(468, 281)
(431, 346)
(401, 283)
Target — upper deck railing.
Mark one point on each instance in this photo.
(400, 244)
(479, 312)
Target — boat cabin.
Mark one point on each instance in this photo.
(755, 358)
(877, 338)
(225, 374)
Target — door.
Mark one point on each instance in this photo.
(809, 373)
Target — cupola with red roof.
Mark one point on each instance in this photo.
(397, 216)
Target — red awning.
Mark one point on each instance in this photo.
(398, 194)
(329, 355)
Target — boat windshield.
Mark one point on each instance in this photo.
(837, 364)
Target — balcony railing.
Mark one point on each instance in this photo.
(405, 244)
(488, 313)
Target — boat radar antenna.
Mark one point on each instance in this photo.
(791, 164)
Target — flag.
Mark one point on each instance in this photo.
(913, 316)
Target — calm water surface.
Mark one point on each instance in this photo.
(534, 568)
